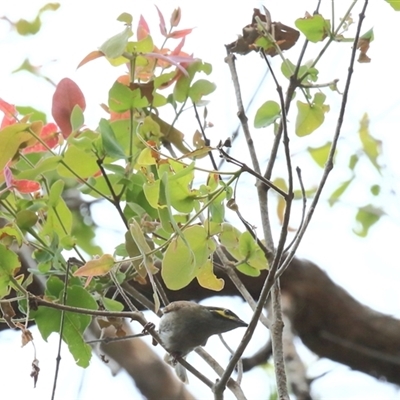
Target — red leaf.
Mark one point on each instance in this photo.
(143, 29)
(163, 29)
(178, 48)
(25, 185)
(9, 111)
(49, 134)
(65, 98)
(179, 34)
(90, 57)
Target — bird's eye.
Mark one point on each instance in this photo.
(230, 314)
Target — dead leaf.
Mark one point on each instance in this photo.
(35, 371)
(363, 46)
(26, 336)
(285, 36)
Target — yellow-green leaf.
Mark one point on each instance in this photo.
(310, 117)
(207, 278)
(320, 154)
(97, 267)
(267, 114)
(314, 27)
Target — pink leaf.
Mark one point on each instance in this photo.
(25, 185)
(175, 60)
(49, 134)
(143, 29)
(179, 34)
(163, 29)
(9, 111)
(178, 48)
(65, 98)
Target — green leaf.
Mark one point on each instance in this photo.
(25, 27)
(55, 194)
(12, 138)
(49, 7)
(9, 265)
(112, 305)
(320, 154)
(121, 98)
(251, 252)
(334, 197)
(35, 115)
(375, 190)
(125, 17)
(109, 141)
(288, 69)
(353, 160)
(12, 232)
(201, 88)
(229, 237)
(395, 4)
(182, 86)
(152, 193)
(44, 165)
(371, 146)
(179, 265)
(83, 163)
(142, 46)
(59, 217)
(246, 244)
(369, 35)
(48, 320)
(77, 118)
(366, 217)
(315, 28)
(181, 196)
(310, 117)
(248, 270)
(115, 46)
(183, 257)
(26, 219)
(267, 114)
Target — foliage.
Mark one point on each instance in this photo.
(172, 208)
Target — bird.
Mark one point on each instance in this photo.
(186, 325)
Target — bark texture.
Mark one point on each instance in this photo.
(329, 321)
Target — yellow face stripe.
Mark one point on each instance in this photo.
(224, 313)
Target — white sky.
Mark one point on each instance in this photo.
(367, 268)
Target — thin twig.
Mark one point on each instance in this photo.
(233, 386)
(239, 365)
(115, 199)
(261, 192)
(122, 292)
(139, 297)
(277, 324)
(277, 346)
(329, 163)
(62, 321)
(107, 339)
(206, 140)
(227, 267)
(303, 210)
(245, 168)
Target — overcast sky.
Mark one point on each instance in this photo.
(367, 268)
